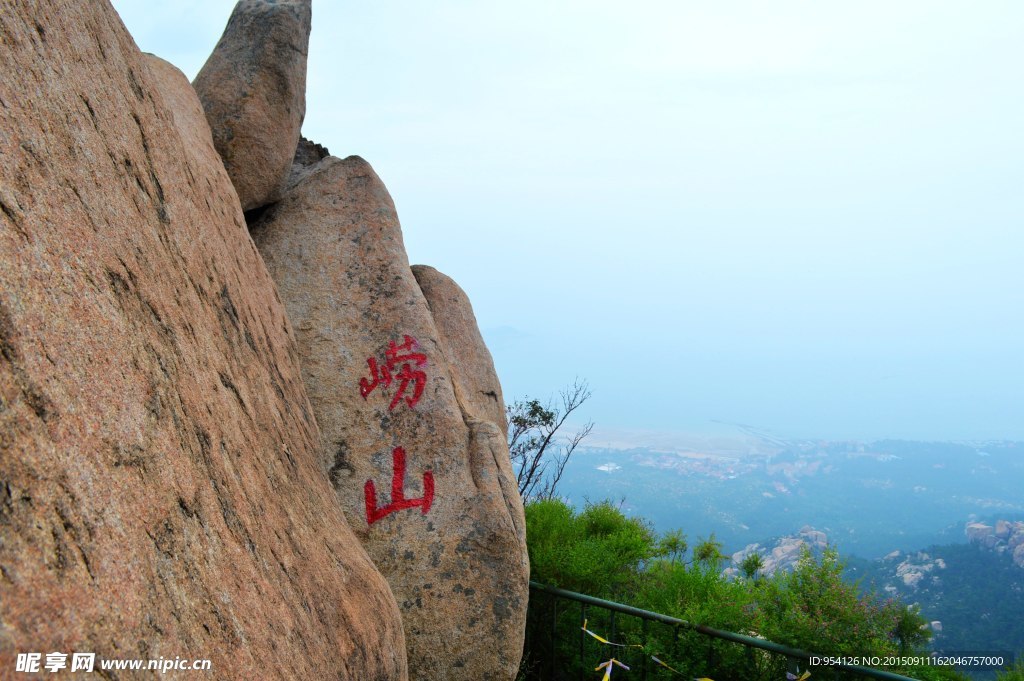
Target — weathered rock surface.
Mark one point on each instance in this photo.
(784, 554)
(159, 488)
(186, 112)
(977, 532)
(423, 478)
(253, 88)
(1006, 536)
(1003, 529)
(472, 366)
(918, 567)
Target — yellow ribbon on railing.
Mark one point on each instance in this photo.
(674, 671)
(606, 641)
(623, 645)
(608, 666)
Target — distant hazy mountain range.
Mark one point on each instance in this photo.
(870, 498)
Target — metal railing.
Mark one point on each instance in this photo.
(546, 657)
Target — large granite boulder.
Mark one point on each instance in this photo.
(253, 87)
(475, 381)
(979, 533)
(160, 493)
(418, 462)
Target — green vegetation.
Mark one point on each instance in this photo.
(1014, 674)
(978, 596)
(601, 552)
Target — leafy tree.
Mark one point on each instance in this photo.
(538, 455)
(909, 631)
(708, 554)
(672, 545)
(814, 608)
(751, 565)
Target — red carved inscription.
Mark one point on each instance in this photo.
(398, 500)
(401, 363)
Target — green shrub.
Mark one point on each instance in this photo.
(813, 608)
(598, 551)
(1015, 673)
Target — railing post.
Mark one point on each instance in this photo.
(675, 641)
(643, 659)
(583, 640)
(554, 636)
(711, 658)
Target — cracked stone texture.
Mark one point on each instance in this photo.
(160, 488)
(253, 88)
(459, 571)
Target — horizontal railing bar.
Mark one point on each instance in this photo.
(751, 641)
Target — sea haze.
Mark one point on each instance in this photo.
(870, 498)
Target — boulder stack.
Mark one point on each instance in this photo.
(1006, 536)
(160, 489)
(411, 414)
(253, 88)
(182, 475)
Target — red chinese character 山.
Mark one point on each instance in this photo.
(398, 499)
(401, 363)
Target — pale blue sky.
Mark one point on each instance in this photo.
(802, 216)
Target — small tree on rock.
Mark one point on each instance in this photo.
(538, 454)
(751, 565)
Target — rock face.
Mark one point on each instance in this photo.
(475, 380)
(419, 465)
(253, 88)
(784, 555)
(1006, 536)
(159, 489)
(920, 567)
(978, 532)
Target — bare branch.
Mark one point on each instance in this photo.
(538, 454)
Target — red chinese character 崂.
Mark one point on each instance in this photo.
(399, 364)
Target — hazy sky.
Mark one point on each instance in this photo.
(805, 216)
